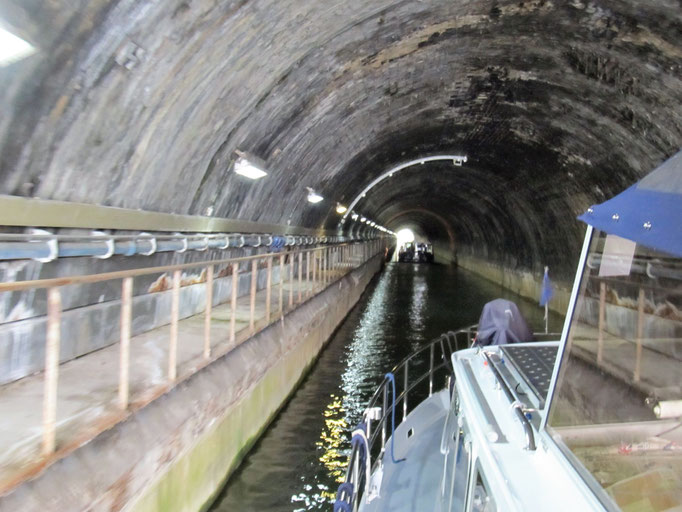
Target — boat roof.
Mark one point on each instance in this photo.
(649, 212)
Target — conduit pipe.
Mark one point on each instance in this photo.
(44, 246)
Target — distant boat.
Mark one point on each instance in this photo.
(591, 421)
(411, 252)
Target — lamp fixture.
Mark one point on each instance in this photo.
(354, 216)
(457, 160)
(340, 209)
(247, 168)
(13, 48)
(313, 197)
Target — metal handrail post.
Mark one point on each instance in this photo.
(233, 302)
(175, 313)
(208, 312)
(53, 339)
(431, 369)
(308, 284)
(602, 310)
(292, 258)
(300, 276)
(252, 298)
(314, 258)
(281, 284)
(268, 290)
(124, 355)
(640, 334)
(356, 482)
(384, 415)
(407, 363)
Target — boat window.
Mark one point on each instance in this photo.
(617, 407)
(481, 499)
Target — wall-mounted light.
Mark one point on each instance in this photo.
(248, 167)
(313, 197)
(363, 219)
(457, 160)
(354, 216)
(340, 209)
(13, 48)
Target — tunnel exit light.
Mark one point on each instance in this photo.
(405, 236)
(245, 168)
(13, 48)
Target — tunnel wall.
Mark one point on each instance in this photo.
(521, 281)
(179, 450)
(443, 253)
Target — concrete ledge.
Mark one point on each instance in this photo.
(176, 452)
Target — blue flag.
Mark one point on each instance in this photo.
(547, 289)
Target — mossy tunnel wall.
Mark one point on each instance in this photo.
(142, 105)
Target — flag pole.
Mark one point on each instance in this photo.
(546, 307)
(546, 319)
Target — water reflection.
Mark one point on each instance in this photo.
(418, 306)
(366, 355)
(331, 439)
(298, 463)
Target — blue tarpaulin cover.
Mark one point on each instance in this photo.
(649, 212)
(501, 322)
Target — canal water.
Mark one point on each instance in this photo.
(297, 464)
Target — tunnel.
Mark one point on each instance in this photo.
(484, 126)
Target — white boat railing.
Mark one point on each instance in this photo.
(430, 362)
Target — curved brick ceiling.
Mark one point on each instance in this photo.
(141, 104)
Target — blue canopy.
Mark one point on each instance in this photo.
(649, 212)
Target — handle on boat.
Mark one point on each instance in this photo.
(527, 427)
(391, 379)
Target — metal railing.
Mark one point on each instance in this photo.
(45, 246)
(316, 269)
(434, 358)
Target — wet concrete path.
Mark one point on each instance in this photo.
(298, 462)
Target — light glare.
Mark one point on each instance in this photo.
(245, 168)
(340, 209)
(405, 236)
(13, 48)
(314, 197)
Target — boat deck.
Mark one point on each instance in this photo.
(407, 486)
